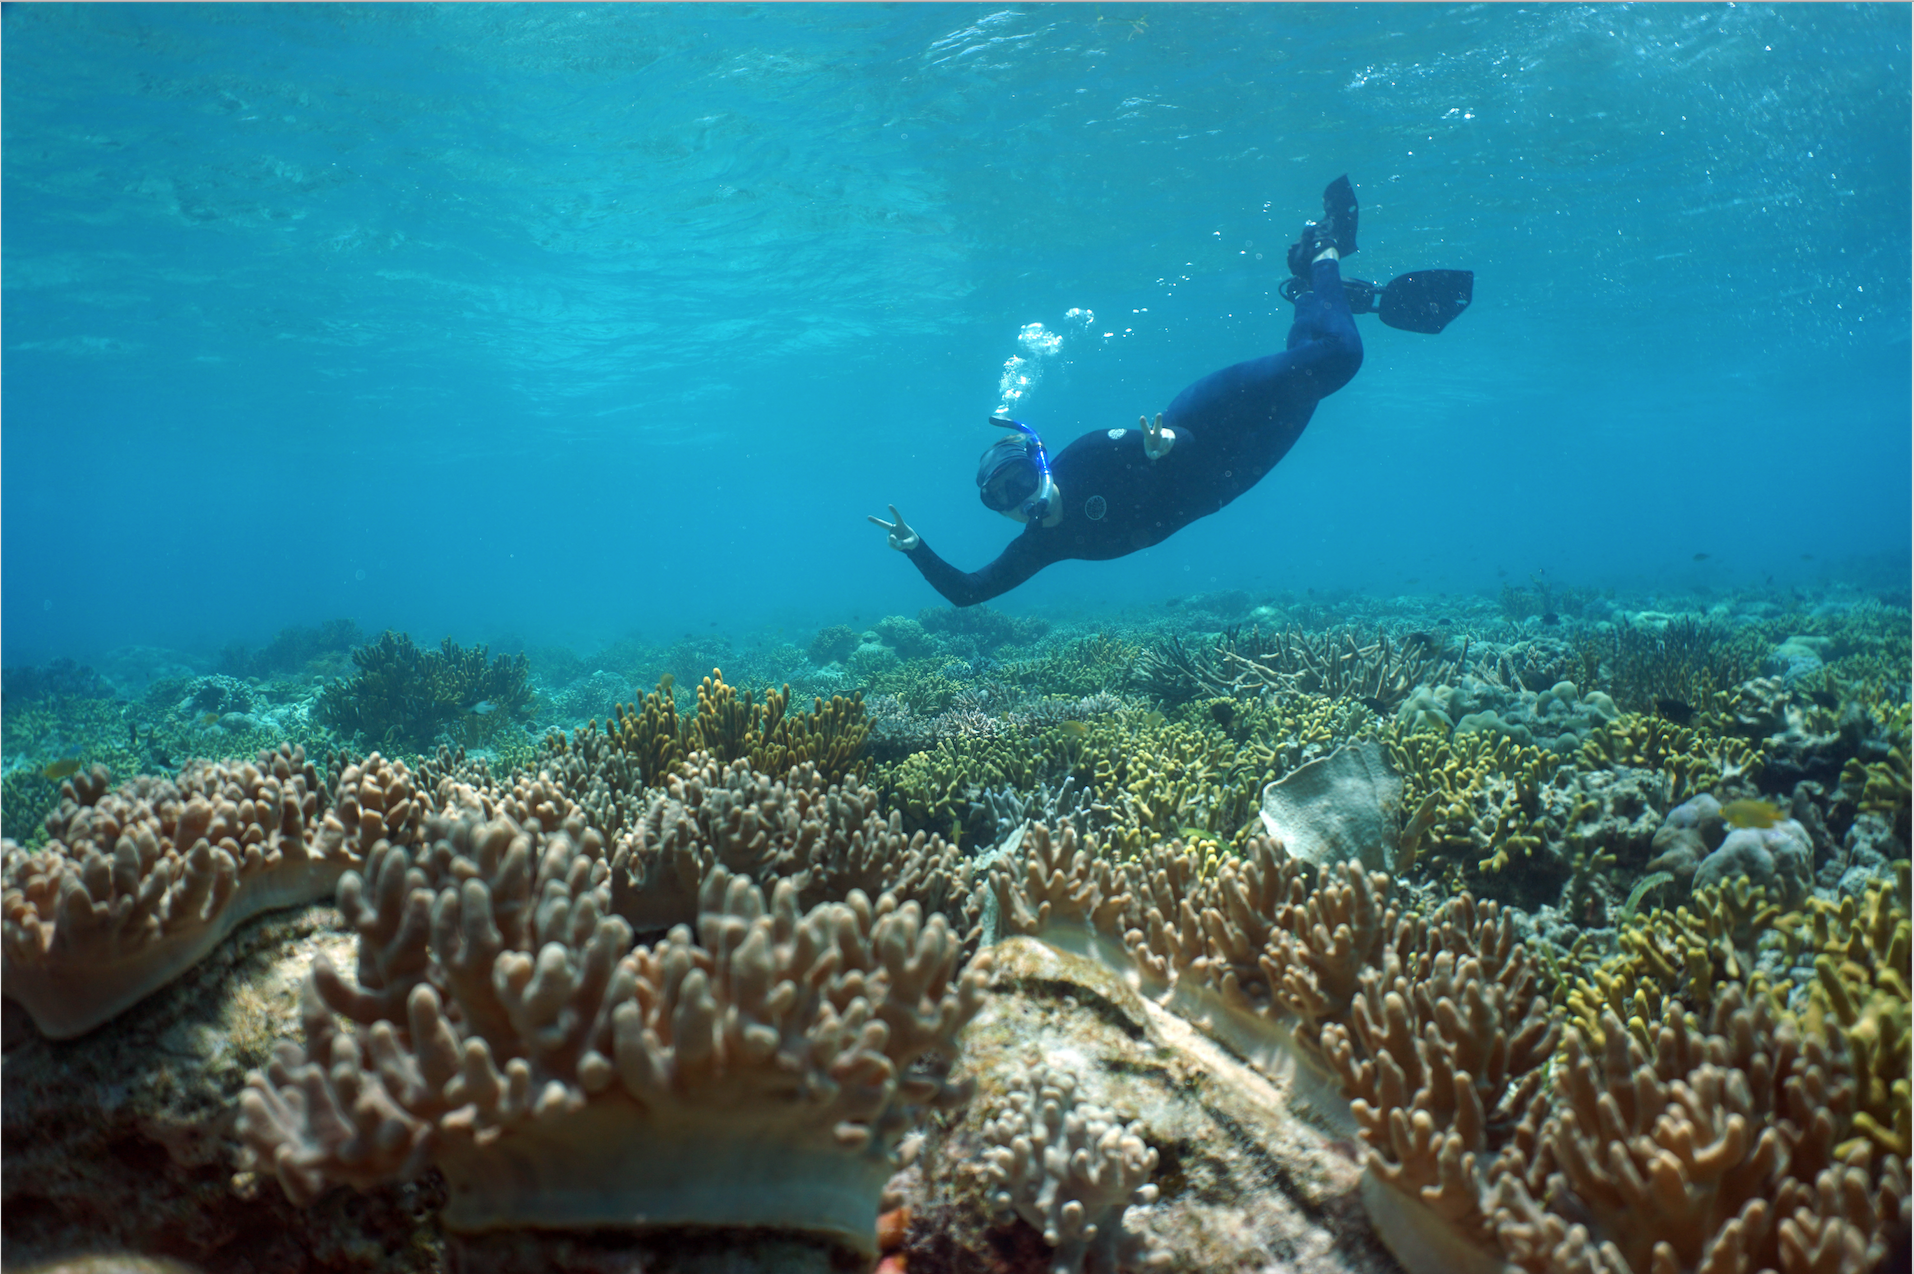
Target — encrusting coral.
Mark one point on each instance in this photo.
(137, 884)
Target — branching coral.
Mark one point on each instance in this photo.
(731, 727)
(136, 885)
(1072, 1172)
(1683, 957)
(1686, 661)
(1486, 790)
(1861, 953)
(1331, 664)
(1707, 1148)
(759, 1074)
(403, 696)
(1693, 761)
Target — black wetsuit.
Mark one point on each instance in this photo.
(1231, 429)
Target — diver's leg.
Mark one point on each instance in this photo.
(1323, 343)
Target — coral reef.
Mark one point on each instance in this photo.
(402, 697)
(659, 739)
(1634, 1002)
(1382, 673)
(833, 644)
(136, 885)
(759, 1074)
(1071, 1170)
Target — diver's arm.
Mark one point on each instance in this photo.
(1017, 563)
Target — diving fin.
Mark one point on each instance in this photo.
(1339, 215)
(1422, 301)
(1426, 300)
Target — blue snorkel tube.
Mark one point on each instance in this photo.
(1037, 507)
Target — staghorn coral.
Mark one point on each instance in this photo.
(1487, 793)
(1087, 666)
(760, 1073)
(1686, 661)
(1331, 664)
(136, 885)
(1072, 1171)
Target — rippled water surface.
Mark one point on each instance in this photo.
(563, 320)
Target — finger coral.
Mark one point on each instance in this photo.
(756, 1071)
(137, 884)
(1710, 1149)
(1072, 1171)
(732, 727)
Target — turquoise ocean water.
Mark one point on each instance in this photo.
(562, 322)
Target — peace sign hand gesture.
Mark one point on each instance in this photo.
(902, 538)
(1157, 440)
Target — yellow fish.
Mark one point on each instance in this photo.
(1154, 720)
(62, 768)
(1075, 729)
(211, 718)
(1748, 813)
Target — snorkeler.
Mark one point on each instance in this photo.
(1111, 493)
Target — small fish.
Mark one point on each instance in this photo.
(483, 707)
(1675, 710)
(1425, 640)
(1075, 729)
(1551, 618)
(1375, 704)
(1154, 720)
(1807, 557)
(1751, 813)
(62, 768)
(1825, 698)
(1701, 557)
(1223, 712)
(211, 718)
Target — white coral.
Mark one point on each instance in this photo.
(1072, 1172)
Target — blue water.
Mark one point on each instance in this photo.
(560, 322)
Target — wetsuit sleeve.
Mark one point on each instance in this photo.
(1017, 563)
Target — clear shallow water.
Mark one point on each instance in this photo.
(557, 322)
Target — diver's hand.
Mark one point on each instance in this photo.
(1157, 440)
(902, 538)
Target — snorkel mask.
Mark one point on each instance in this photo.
(1008, 451)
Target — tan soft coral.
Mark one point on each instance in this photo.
(759, 1074)
(1714, 1151)
(136, 885)
(828, 838)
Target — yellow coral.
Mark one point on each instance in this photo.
(1861, 983)
(732, 728)
(1692, 760)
